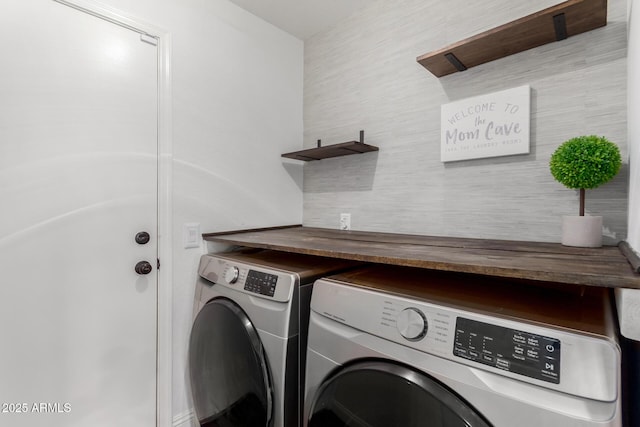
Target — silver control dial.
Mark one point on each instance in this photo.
(412, 324)
(231, 275)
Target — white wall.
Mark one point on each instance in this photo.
(237, 105)
(634, 125)
(628, 300)
(363, 74)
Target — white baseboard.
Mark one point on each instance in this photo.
(186, 419)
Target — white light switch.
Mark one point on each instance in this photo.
(191, 235)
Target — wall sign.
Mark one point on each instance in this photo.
(492, 125)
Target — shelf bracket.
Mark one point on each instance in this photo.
(455, 61)
(319, 144)
(560, 25)
(361, 137)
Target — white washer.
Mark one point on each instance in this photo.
(250, 320)
(406, 347)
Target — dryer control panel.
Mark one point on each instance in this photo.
(268, 283)
(261, 283)
(524, 353)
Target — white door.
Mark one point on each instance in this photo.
(78, 180)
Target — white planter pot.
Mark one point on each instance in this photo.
(583, 231)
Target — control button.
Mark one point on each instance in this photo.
(518, 338)
(412, 324)
(231, 275)
(550, 348)
(460, 351)
(502, 364)
(487, 358)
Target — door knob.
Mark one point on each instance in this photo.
(142, 238)
(143, 267)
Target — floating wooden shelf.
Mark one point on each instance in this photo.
(533, 261)
(554, 23)
(335, 150)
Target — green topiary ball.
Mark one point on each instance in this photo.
(585, 162)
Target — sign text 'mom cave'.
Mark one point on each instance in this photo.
(491, 131)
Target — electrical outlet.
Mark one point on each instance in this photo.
(345, 221)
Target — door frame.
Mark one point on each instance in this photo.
(165, 157)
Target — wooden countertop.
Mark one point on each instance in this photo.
(547, 262)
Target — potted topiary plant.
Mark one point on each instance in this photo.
(582, 163)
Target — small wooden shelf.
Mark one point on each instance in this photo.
(335, 150)
(552, 24)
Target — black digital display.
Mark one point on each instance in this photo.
(532, 355)
(261, 283)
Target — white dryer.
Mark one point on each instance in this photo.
(401, 347)
(249, 334)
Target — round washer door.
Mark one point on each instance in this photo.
(230, 379)
(383, 394)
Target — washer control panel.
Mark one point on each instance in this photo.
(543, 355)
(524, 353)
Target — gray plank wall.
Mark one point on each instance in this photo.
(362, 74)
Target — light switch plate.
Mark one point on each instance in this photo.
(191, 235)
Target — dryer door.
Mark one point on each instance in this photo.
(383, 394)
(230, 379)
